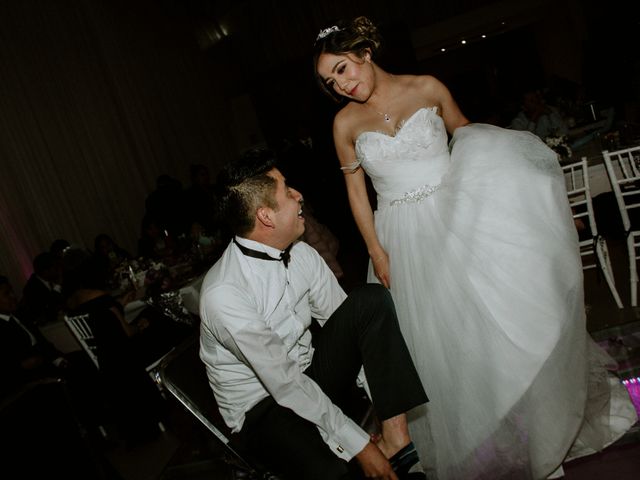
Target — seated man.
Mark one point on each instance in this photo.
(42, 300)
(25, 354)
(539, 118)
(283, 392)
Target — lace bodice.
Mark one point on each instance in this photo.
(412, 160)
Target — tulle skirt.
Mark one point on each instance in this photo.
(487, 280)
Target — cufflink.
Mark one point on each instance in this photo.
(340, 449)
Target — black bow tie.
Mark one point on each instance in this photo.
(285, 255)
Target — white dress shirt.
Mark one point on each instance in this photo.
(255, 339)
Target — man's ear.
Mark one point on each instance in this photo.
(263, 215)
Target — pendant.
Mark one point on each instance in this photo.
(387, 118)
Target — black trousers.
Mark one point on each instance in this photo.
(363, 331)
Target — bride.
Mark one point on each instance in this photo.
(476, 242)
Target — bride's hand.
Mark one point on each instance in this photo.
(381, 268)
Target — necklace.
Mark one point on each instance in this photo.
(386, 116)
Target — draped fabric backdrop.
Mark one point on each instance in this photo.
(94, 105)
(100, 97)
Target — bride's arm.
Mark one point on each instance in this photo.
(359, 202)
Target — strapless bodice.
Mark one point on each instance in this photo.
(412, 160)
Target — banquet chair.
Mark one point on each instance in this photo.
(593, 246)
(79, 327)
(184, 376)
(623, 168)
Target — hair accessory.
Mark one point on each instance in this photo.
(327, 31)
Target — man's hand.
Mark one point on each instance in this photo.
(374, 464)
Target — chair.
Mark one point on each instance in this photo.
(80, 329)
(184, 376)
(593, 250)
(79, 326)
(623, 168)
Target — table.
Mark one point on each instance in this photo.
(190, 294)
(58, 333)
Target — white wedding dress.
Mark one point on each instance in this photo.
(487, 281)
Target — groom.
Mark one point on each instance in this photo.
(282, 391)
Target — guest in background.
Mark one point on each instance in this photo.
(133, 396)
(42, 300)
(155, 242)
(539, 118)
(58, 247)
(26, 355)
(105, 247)
(48, 401)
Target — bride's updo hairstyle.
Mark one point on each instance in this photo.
(354, 37)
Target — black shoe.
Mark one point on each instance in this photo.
(406, 460)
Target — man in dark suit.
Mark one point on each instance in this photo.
(39, 413)
(25, 354)
(41, 297)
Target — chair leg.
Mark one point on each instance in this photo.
(633, 273)
(605, 265)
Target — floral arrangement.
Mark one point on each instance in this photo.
(559, 145)
(157, 278)
(154, 276)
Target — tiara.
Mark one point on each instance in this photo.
(327, 31)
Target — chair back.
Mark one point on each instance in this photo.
(576, 176)
(623, 168)
(593, 247)
(184, 375)
(79, 326)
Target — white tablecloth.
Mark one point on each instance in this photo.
(190, 294)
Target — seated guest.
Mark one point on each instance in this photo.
(123, 349)
(105, 247)
(281, 391)
(42, 300)
(26, 355)
(58, 247)
(154, 242)
(539, 118)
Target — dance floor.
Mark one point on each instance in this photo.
(622, 342)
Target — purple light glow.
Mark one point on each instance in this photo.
(633, 387)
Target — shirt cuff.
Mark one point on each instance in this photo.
(348, 441)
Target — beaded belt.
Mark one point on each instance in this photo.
(417, 195)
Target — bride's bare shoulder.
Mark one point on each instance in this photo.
(420, 84)
(346, 120)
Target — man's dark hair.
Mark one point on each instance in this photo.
(58, 246)
(3, 280)
(44, 261)
(83, 270)
(243, 186)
